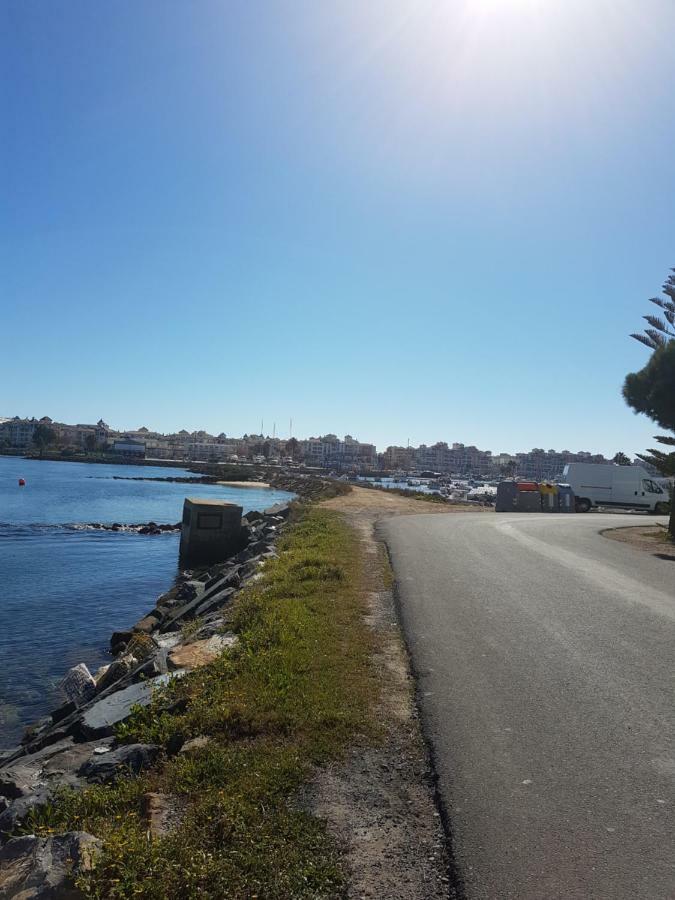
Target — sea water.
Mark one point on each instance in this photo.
(64, 589)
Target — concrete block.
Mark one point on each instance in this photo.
(211, 530)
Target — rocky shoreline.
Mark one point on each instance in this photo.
(142, 528)
(175, 479)
(75, 746)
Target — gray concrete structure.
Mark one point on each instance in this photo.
(211, 530)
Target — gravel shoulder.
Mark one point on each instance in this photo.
(380, 801)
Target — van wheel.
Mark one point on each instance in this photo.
(662, 509)
(582, 504)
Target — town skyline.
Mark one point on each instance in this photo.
(264, 435)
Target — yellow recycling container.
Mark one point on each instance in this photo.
(549, 496)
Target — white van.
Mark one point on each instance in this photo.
(629, 487)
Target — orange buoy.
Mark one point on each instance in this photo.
(22, 482)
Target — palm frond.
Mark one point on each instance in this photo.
(656, 336)
(645, 340)
(662, 329)
(657, 323)
(648, 458)
(664, 462)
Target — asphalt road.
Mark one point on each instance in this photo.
(545, 655)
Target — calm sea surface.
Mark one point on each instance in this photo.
(63, 590)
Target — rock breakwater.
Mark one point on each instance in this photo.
(174, 479)
(75, 745)
(141, 528)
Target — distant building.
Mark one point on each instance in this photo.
(540, 465)
(18, 432)
(129, 447)
(329, 452)
(80, 436)
(395, 458)
(326, 452)
(460, 459)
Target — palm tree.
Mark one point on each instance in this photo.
(292, 447)
(43, 436)
(651, 391)
(662, 329)
(508, 470)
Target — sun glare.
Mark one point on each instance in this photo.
(533, 5)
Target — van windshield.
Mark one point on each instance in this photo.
(651, 486)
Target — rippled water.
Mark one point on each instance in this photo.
(63, 590)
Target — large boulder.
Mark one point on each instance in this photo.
(257, 547)
(35, 729)
(128, 759)
(119, 640)
(204, 603)
(217, 601)
(48, 735)
(148, 623)
(168, 641)
(55, 764)
(18, 780)
(229, 578)
(186, 592)
(63, 768)
(117, 669)
(62, 712)
(200, 653)
(280, 510)
(19, 809)
(211, 624)
(101, 717)
(46, 868)
(180, 614)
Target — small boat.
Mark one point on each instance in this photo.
(22, 482)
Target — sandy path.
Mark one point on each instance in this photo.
(374, 503)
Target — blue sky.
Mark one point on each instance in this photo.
(419, 220)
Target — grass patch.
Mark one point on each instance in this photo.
(293, 693)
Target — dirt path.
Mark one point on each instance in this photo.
(380, 801)
(648, 538)
(371, 504)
